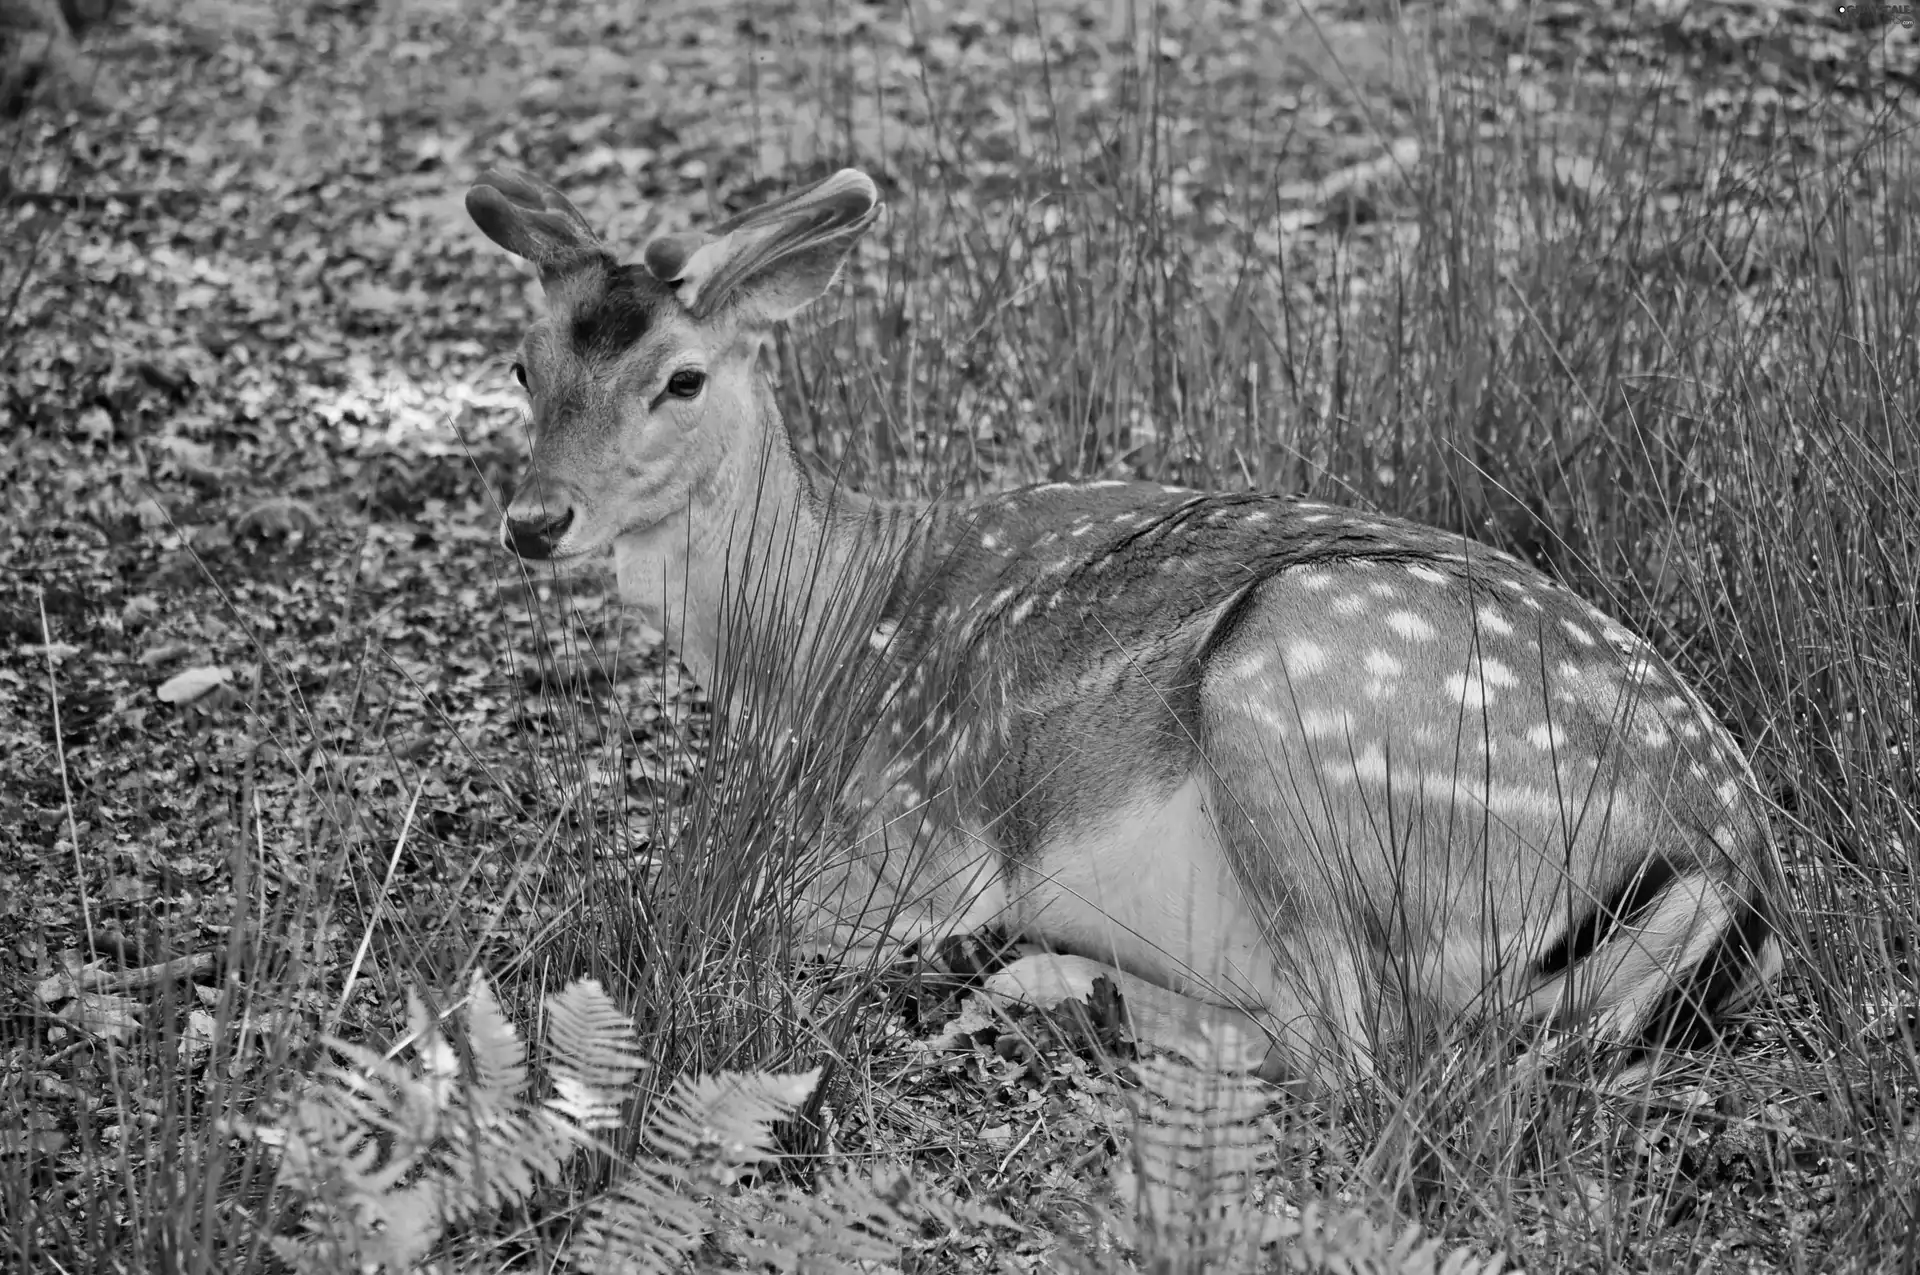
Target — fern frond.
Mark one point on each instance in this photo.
(499, 1058)
(389, 1153)
(593, 1055)
(848, 1223)
(698, 1137)
(723, 1122)
(1199, 1146)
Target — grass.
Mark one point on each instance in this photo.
(1651, 329)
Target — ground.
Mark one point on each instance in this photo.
(274, 704)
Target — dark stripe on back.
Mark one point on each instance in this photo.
(1228, 622)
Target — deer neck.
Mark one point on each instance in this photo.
(769, 568)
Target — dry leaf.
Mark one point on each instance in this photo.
(184, 688)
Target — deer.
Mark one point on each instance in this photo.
(1300, 782)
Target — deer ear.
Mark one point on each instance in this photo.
(775, 260)
(531, 219)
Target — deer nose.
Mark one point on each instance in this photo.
(534, 536)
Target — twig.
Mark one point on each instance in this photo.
(145, 976)
(60, 756)
(379, 905)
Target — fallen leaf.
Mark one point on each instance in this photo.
(163, 652)
(115, 1017)
(184, 688)
(197, 1039)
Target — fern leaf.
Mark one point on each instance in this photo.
(1198, 1152)
(593, 1055)
(499, 1059)
(697, 1138)
(389, 1152)
(724, 1122)
(847, 1223)
(647, 1226)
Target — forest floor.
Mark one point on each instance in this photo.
(257, 634)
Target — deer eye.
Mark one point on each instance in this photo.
(520, 374)
(686, 383)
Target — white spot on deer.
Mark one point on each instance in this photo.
(1261, 711)
(1347, 604)
(1313, 581)
(1249, 667)
(882, 635)
(1305, 659)
(1725, 837)
(1697, 772)
(1675, 704)
(1522, 802)
(1494, 673)
(1654, 734)
(1428, 574)
(1106, 484)
(1052, 487)
(1475, 793)
(1410, 626)
(1258, 516)
(1020, 613)
(1577, 633)
(1315, 517)
(1370, 764)
(1516, 585)
(1366, 765)
(1081, 528)
(1381, 664)
(1469, 691)
(1380, 589)
(1326, 723)
(1531, 603)
(989, 541)
(1727, 793)
(1493, 622)
(1547, 737)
